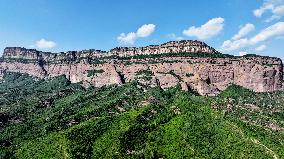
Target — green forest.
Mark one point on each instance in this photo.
(58, 119)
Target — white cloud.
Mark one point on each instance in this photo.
(275, 7)
(142, 32)
(273, 17)
(230, 45)
(174, 37)
(260, 48)
(272, 31)
(127, 38)
(208, 30)
(244, 31)
(145, 30)
(242, 53)
(45, 44)
(266, 6)
(279, 10)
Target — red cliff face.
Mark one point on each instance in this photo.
(166, 65)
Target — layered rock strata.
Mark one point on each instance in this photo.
(191, 64)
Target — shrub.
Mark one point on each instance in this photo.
(189, 74)
(94, 72)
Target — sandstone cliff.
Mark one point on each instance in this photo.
(191, 64)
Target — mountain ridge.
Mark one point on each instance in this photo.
(192, 64)
(168, 47)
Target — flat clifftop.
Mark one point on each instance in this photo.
(169, 47)
(191, 64)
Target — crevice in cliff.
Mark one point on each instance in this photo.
(208, 81)
(158, 83)
(121, 76)
(192, 90)
(41, 63)
(281, 71)
(69, 72)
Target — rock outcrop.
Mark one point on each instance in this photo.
(191, 64)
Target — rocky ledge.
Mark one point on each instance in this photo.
(191, 64)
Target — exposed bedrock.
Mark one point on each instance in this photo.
(206, 75)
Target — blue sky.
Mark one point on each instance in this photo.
(231, 26)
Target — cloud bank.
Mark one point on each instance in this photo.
(244, 31)
(142, 32)
(208, 30)
(272, 31)
(45, 44)
(274, 7)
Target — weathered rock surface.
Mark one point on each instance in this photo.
(206, 75)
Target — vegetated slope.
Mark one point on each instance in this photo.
(57, 119)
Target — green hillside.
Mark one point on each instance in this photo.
(57, 119)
